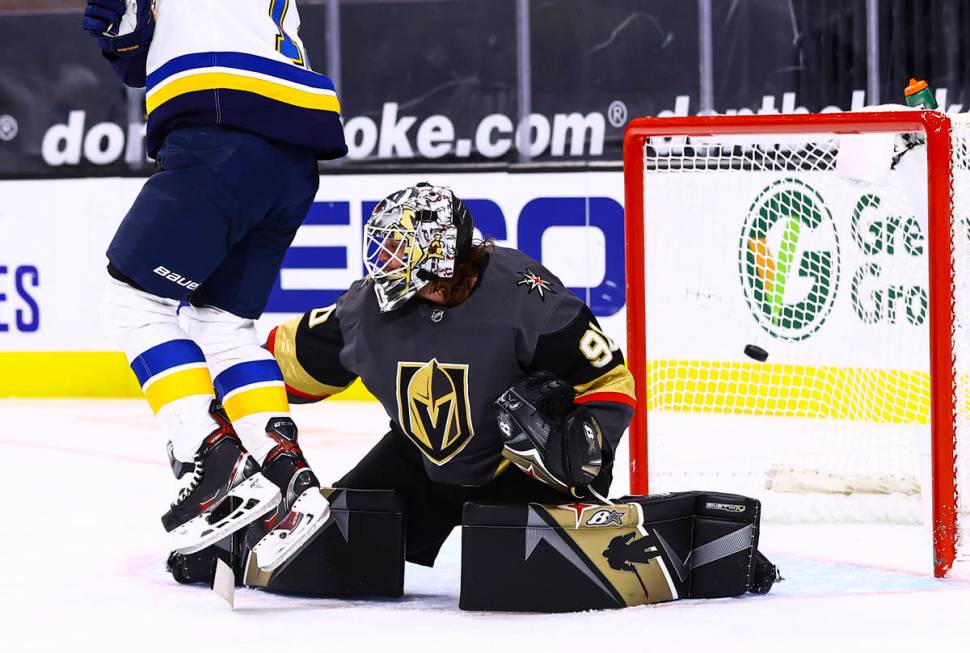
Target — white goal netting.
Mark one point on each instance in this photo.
(813, 249)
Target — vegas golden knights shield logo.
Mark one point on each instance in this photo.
(432, 406)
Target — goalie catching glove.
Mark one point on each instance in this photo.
(547, 435)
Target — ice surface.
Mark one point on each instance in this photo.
(83, 554)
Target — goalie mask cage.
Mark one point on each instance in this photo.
(839, 244)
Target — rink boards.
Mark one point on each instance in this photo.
(55, 234)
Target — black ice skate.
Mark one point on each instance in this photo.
(302, 512)
(221, 471)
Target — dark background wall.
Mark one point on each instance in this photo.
(530, 61)
(9, 6)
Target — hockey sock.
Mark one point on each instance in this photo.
(170, 368)
(247, 379)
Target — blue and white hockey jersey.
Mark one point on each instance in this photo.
(237, 63)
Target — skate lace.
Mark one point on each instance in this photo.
(193, 482)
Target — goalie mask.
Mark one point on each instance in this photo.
(414, 236)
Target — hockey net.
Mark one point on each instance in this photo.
(839, 246)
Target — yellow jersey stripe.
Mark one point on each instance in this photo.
(252, 386)
(186, 383)
(271, 90)
(171, 371)
(267, 399)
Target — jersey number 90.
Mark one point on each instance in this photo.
(284, 44)
(597, 347)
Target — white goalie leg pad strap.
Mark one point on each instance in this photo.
(228, 340)
(281, 545)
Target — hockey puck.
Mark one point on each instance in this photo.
(756, 352)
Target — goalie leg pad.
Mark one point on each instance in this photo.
(358, 553)
(586, 556)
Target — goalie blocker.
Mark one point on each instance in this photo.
(587, 556)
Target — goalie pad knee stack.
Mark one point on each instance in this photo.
(583, 556)
(359, 553)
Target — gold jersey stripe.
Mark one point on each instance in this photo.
(272, 90)
(284, 350)
(617, 380)
(267, 399)
(186, 383)
(785, 390)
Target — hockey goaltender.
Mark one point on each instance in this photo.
(504, 394)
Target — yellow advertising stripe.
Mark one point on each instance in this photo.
(90, 374)
(782, 390)
(178, 385)
(101, 374)
(272, 90)
(266, 399)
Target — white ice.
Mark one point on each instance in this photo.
(83, 567)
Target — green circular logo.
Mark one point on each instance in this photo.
(789, 259)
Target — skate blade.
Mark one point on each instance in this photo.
(283, 543)
(258, 496)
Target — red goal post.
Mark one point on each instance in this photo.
(937, 129)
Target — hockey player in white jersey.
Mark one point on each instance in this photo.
(237, 121)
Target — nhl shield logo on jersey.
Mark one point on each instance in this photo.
(432, 402)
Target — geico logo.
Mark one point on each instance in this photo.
(102, 144)
(579, 238)
(19, 305)
(495, 135)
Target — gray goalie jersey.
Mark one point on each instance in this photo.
(437, 370)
